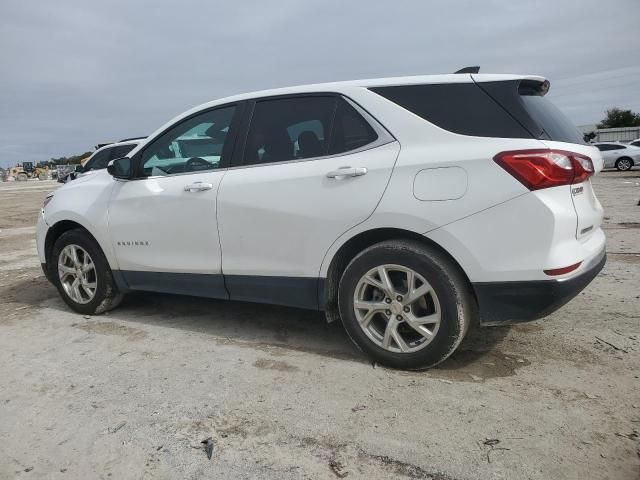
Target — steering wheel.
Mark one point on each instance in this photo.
(196, 163)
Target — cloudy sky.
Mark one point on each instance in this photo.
(75, 73)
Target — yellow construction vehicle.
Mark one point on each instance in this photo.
(26, 171)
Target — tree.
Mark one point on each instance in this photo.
(618, 118)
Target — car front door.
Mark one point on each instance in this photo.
(312, 167)
(163, 221)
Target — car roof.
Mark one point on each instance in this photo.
(344, 86)
(372, 82)
(117, 144)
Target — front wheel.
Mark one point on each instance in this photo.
(624, 164)
(82, 274)
(405, 304)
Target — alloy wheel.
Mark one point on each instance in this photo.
(77, 274)
(624, 164)
(397, 308)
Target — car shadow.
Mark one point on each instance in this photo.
(270, 327)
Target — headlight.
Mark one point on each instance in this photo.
(46, 200)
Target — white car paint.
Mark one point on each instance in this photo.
(610, 157)
(289, 220)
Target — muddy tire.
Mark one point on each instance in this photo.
(42, 176)
(81, 273)
(22, 177)
(405, 304)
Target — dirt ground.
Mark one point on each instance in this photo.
(284, 395)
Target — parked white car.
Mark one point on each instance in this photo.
(618, 155)
(409, 208)
(101, 158)
(635, 143)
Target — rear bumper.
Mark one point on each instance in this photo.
(503, 303)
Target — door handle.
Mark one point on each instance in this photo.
(198, 187)
(347, 172)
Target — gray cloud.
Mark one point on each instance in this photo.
(76, 73)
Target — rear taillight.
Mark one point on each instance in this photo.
(537, 169)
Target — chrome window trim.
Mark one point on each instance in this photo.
(384, 138)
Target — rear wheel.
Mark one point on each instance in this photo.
(405, 304)
(623, 164)
(42, 176)
(82, 275)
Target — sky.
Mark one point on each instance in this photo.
(75, 73)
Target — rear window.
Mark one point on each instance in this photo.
(507, 109)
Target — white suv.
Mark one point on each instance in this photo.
(102, 156)
(406, 207)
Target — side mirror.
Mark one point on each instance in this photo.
(120, 168)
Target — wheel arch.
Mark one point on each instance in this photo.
(57, 229)
(328, 294)
(625, 157)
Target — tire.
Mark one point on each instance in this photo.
(42, 176)
(449, 295)
(22, 177)
(624, 163)
(105, 293)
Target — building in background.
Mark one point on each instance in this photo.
(625, 134)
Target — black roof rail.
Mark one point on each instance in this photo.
(132, 138)
(475, 69)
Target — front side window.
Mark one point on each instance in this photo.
(191, 146)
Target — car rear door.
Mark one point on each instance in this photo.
(311, 168)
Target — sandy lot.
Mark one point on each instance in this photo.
(283, 395)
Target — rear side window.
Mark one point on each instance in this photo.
(297, 128)
(507, 109)
(288, 129)
(457, 107)
(350, 130)
(605, 147)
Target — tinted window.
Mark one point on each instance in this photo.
(99, 160)
(121, 151)
(636, 143)
(525, 100)
(508, 109)
(553, 123)
(350, 130)
(288, 129)
(458, 107)
(604, 147)
(191, 146)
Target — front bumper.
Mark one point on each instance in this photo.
(504, 303)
